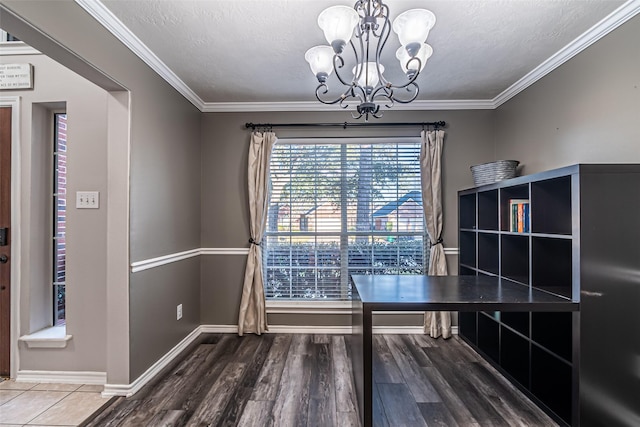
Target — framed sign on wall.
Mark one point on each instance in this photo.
(16, 76)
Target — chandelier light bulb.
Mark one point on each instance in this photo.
(369, 77)
(411, 66)
(413, 26)
(320, 59)
(338, 23)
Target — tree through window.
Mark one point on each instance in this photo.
(339, 209)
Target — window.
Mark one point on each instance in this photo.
(6, 37)
(59, 217)
(342, 208)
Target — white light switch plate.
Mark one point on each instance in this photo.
(87, 199)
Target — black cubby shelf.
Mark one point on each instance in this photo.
(578, 232)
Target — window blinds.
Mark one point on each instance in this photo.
(338, 209)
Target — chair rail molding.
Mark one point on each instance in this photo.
(146, 264)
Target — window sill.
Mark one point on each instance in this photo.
(53, 337)
(308, 307)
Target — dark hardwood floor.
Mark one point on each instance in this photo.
(306, 380)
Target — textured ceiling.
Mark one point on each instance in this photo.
(253, 50)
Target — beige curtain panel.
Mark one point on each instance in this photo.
(253, 314)
(435, 323)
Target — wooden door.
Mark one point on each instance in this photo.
(5, 247)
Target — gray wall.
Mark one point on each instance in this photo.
(588, 110)
(154, 324)
(164, 209)
(225, 216)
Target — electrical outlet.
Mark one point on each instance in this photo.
(87, 199)
(179, 312)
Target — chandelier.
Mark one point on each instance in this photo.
(366, 28)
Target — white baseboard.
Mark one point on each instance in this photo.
(62, 377)
(295, 329)
(130, 389)
(219, 329)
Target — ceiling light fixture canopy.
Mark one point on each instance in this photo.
(366, 28)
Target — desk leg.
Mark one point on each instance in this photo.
(361, 357)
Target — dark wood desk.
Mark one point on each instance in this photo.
(430, 293)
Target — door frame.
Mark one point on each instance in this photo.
(14, 103)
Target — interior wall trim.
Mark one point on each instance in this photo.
(224, 251)
(296, 329)
(13, 102)
(107, 19)
(315, 106)
(128, 390)
(179, 256)
(616, 18)
(163, 260)
(62, 377)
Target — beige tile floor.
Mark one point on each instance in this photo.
(29, 404)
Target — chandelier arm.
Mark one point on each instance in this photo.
(344, 103)
(360, 95)
(349, 95)
(386, 96)
(409, 83)
(338, 63)
(384, 14)
(361, 8)
(378, 114)
(359, 58)
(416, 90)
(382, 41)
(323, 89)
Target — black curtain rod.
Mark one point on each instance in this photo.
(344, 125)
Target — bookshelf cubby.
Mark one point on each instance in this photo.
(514, 355)
(554, 195)
(488, 210)
(514, 255)
(518, 192)
(488, 253)
(468, 243)
(467, 212)
(576, 240)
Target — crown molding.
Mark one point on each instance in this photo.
(108, 20)
(236, 107)
(616, 18)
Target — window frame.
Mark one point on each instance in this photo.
(55, 198)
(345, 267)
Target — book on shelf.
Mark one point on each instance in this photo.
(519, 215)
